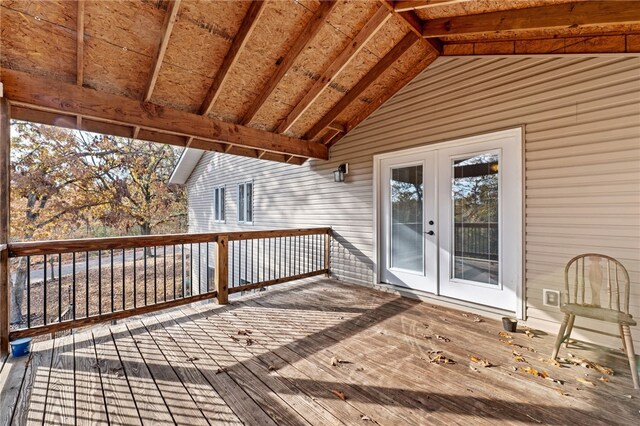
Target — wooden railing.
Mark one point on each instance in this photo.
(60, 285)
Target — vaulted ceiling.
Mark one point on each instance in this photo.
(277, 80)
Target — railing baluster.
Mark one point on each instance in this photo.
(144, 273)
(183, 273)
(124, 277)
(155, 274)
(246, 262)
(164, 266)
(86, 285)
(44, 291)
(135, 276)
(175, 269)
(111, 259)
(99, 282)
(59, 287)
(199, 270)
(207, 272)
(28, 291)
(73, 285)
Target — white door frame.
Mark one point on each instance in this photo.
(517, 132)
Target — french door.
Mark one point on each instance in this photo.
(450, 219)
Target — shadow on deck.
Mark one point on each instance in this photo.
(315, 352)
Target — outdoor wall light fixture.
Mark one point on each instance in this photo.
(338, 174)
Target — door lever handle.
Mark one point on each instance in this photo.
(430, 233)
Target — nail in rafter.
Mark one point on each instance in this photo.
(378, 69)
(167, 28)
(343, 59)
(239, 41)
(306, 36)
(564, 15)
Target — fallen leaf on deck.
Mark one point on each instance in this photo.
(339, 394)
(359, 368)
(529, 334)
(221, 370)
(482, 361)
(519, 358)
(558, 381)
(589, 364)
(441, 359)
(473, 368)
(604, 379)
(244, 332)
(249, 342)
(365, 418)
(465, 315)
(443, 338)
(425, 325)
(550, 361)
(192, 358)
(561, 392)
(535, 372)
(585, 381)
(235, 339)
(505, 335)
(477, 319)
(272, 368)
(431, 351)
(426, 337)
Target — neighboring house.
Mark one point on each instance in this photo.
(551, 145)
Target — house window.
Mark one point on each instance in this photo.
(218, 204)
(245, 202)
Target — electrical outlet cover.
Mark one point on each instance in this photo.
(551, 298)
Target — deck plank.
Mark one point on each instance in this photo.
(204, 395)
(216, 345)
(247, 410)
(90, 407)
(11, 380)
(301, 400)
(33, 394)
(61, 398)
(175, 395)
(152, 408)
(120, 404)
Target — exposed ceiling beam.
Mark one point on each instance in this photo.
(414, 23)
(562, 15)
(403, 6)
(41, 93)
(343, 59)
(306, 36)
(239, 41)
(378, 69)
(167, 28)
(80, 44)
(391, 90)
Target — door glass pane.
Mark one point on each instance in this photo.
(241, 202)
(475, 218)
(407, 242)
(249, 202)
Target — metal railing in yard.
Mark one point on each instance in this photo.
(61, 285)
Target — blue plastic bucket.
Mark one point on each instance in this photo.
(20, 347)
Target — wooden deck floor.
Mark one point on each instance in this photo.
(267, 359)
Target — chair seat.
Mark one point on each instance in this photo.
(596, 312)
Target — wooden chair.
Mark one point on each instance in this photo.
(584, 276)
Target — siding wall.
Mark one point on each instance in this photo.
(582, 166)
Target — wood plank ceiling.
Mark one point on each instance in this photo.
(277, 80)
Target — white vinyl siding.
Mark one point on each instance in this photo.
(581, 118)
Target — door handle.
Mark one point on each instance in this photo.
(430, 233)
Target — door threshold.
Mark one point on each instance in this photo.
(446, 302)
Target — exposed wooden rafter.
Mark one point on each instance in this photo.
(343, 59)
(239, 41)
(167, 28)
(306, 36)
(562, 15)
(378, 69)
(415, 24)
(40, 93)
(80, 49)
(403, 6)
(392, 90)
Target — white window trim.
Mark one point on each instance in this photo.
(244, 183)
(216, 206)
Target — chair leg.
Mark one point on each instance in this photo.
(560, 337)
(626, 336)
(567, 335)
(624, 344)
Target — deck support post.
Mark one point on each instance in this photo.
(327, 252)
(222, 269)
(5, 152)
